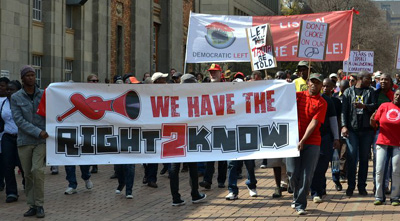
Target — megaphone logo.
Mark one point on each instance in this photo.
(94, 107)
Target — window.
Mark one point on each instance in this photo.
(120, 55)
(68, 70)
(156, 28)
(37, 65)
(68, 16)
(37, 10)
(240, 12)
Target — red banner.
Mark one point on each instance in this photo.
(285, 31)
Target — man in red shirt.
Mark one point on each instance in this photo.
(311, 109)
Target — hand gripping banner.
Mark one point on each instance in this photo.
(222, 38)
(124, 124)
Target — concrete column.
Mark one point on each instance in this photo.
(170, 47)
(142, 36)
(54, 32)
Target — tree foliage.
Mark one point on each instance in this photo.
(370, 32)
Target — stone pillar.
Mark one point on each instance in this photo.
(53, 37)
(142, 29)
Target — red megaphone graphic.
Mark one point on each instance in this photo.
(94, 108)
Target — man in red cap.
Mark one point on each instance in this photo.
(215, 75)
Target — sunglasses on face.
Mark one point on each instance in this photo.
(95, 81)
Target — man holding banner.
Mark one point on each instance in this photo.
(311, 109)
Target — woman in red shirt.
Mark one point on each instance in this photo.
(388, 144)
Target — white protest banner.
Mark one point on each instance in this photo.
(261, 47)
(397, 62)
(222, 38)
(312, 40)
(359, 61)
(149, 123)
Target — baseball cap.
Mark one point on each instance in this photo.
(215, 67)
(333, 75)
(133, 80)
(302, 63)
(317, 76)
(239, 75)
(188, 78)
(177, 75)
(158, 75)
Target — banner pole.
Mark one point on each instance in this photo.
(309, 68)
(187, 40)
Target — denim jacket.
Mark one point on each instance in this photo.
(29, 123)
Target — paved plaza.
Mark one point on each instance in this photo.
(101, 203)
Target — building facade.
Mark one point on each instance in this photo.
(70, 39)
(63, 40)
(391, 10)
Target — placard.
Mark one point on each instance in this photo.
(313, 38)
(261, 48)
(359, 61)
(397, 62)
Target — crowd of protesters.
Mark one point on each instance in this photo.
(356, 114)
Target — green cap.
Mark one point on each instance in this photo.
(317, 76)
(302, 63)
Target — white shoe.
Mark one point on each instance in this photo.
(70, 191)
(129, 197)
(252, 192)
(117, 191)
(293, 205)
(317, 199)
(263, 166)
(231, 196)
(89, 184)
(301, 212)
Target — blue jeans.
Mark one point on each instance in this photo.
(387, 164)
(384, 152)
(71, 176)
(318, 185)
(358, 147)
(126, 176)
(300, 171)
(233, 172)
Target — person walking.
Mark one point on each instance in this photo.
(358, 105)
(311, 109)
(9, 145)
(388, 144)
(31, 140)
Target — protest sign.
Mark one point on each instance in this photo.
(312, 40)
(359, 61)
(261, 47)
(397, 62)
(222, 38)
(125, 124)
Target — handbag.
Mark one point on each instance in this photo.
(1, 118)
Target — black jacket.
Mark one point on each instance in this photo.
(349, 114)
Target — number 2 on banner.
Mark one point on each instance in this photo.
(176, 146)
